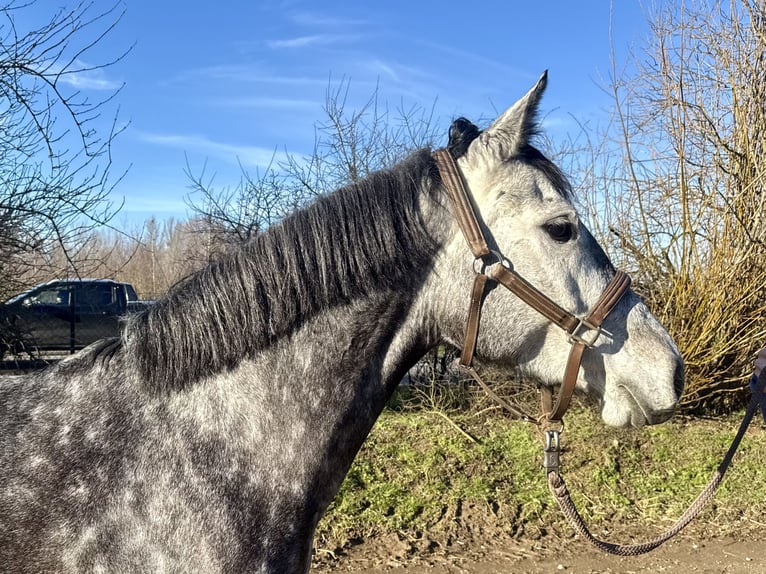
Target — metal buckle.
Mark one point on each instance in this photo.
(577, 336)
(552, 451)
(480, 264)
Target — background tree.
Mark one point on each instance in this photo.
(349, 143)
(676, 186)
(152, 257)
(54, 157)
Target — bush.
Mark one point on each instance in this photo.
(679, 178)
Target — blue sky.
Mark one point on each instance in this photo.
(228, 83)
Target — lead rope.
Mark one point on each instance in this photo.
(560, 492)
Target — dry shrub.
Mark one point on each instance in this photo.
(437, 384)
(679, 175)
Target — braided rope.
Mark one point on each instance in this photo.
(560, 492)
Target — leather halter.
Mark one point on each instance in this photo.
(582, 332)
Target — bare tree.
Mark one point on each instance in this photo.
(233, 215)
(348, 145)
(55, 158)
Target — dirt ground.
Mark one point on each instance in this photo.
(698, 551)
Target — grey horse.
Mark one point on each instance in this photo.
(214, 433)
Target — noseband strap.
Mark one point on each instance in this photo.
(582, 332)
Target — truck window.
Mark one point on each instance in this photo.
(131, 293)
(50, 296)
(95, 297)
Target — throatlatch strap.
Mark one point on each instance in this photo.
(474, 319)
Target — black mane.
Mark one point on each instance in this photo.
(365, 237)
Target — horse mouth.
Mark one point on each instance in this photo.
(640, 414)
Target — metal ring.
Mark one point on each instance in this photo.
(484, 264)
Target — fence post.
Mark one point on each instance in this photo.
(72, 318)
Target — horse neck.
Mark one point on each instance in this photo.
(362, 242)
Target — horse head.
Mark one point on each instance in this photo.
(523, 205)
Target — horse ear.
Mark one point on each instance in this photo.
(515, 126)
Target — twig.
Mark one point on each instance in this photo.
(454, 424)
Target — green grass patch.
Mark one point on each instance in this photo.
(418, 468)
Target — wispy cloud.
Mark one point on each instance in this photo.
(385, 69)
(246, 73)
(299, 42)
(83, 76)
(247, 156)
(481, 62)
(282, 104)
(311, 40)
(398, 72)
(306, 18)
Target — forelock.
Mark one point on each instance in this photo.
(461, 133)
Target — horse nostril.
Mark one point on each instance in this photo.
(678, 379)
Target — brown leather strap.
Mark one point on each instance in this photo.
(464, 214)
(466, 218)
(606, 302)
(534, 298)
(474, 319)
(609, 298)
(569, 382)
(462, 209)
(501, 272)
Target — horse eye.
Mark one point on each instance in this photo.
(560, 230)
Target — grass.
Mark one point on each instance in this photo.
(419, 468)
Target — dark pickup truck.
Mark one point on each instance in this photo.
(64, 315)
